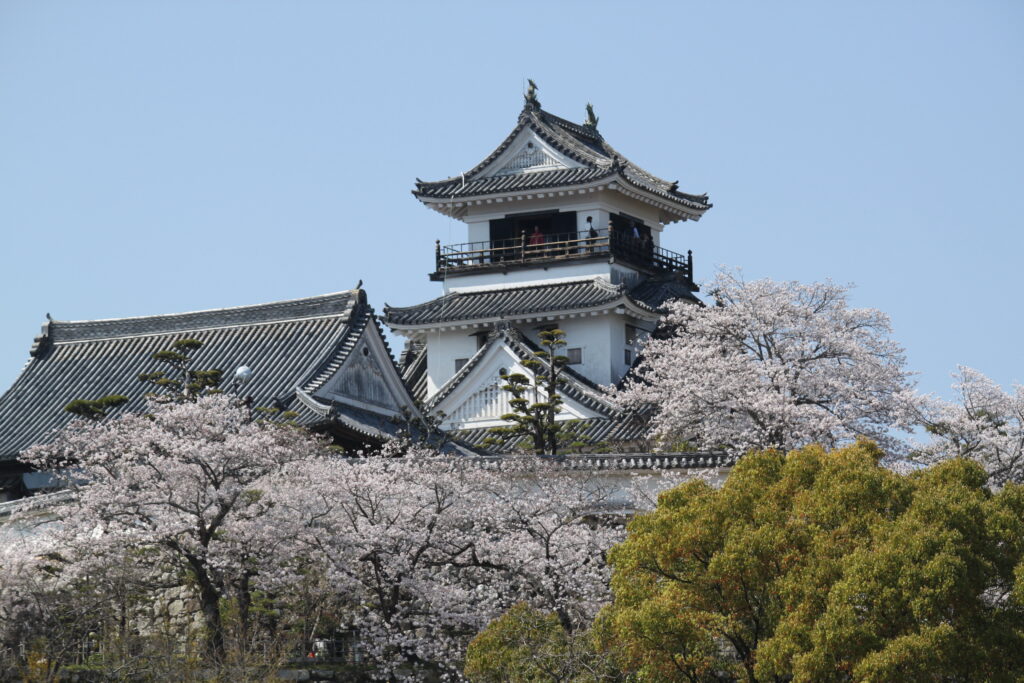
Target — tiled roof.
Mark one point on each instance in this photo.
(289, 345)
(510, 302)
(594, 432)
(414, 369)
(583, 144)
(658, 289)
(454, 188)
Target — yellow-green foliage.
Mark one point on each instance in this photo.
(526, 645)
(504, 651)
(819, 566)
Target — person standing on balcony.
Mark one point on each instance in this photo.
(591, 235)
(536, 238)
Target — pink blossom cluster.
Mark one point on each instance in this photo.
(422, 550)
(985, 423)
(770, 365)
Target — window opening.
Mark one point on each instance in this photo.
(481, 338)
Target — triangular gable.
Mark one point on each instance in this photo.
(475, 398)
(368, 378)
(527, 153)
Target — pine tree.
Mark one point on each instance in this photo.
(536, 418)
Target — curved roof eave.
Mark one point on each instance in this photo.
(580, 143)
(672, 207)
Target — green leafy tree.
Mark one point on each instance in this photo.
(526, 645)
(180, 382)
(533, 416)
(818, 566)
(95, 409)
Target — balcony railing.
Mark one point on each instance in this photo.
(525, 249)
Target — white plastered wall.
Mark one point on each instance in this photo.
(601, 339)
(443, 348)
(592, 335)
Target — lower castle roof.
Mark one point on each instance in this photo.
(291, 347)
(649, 296)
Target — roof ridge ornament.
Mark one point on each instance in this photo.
(531, 95)
(42, 343)
(592, 120)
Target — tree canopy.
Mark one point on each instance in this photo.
(770, 365)
(986, 424)
(823, 566)
(273, 540)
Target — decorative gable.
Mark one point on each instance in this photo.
(530, 158)
(489, 402)
(361, 381)
(528, 153)
(477, 399)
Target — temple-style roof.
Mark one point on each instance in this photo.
(576, 156)
(583, 296)
(293, 348)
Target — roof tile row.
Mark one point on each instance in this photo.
(493, 304)
(288, 345)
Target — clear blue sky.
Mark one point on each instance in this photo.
(158, 157)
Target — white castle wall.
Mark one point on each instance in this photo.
(601, 339)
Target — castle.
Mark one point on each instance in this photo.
(561, 231)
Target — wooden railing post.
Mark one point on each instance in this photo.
(437, 253)
(689, 265)
(522, 245)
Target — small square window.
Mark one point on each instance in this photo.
(629, 357)
(575, 356)
(460, 363)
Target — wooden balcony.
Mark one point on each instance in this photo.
(525, 252)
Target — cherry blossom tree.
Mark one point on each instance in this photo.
(985, 424)
(771, 365)
(60, 605)
(189, 484)
(550, 529)
(413, 551)
(429, 548)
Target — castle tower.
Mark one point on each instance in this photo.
(561, 231)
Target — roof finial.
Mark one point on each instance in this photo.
(591, 121)
(531, 95)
